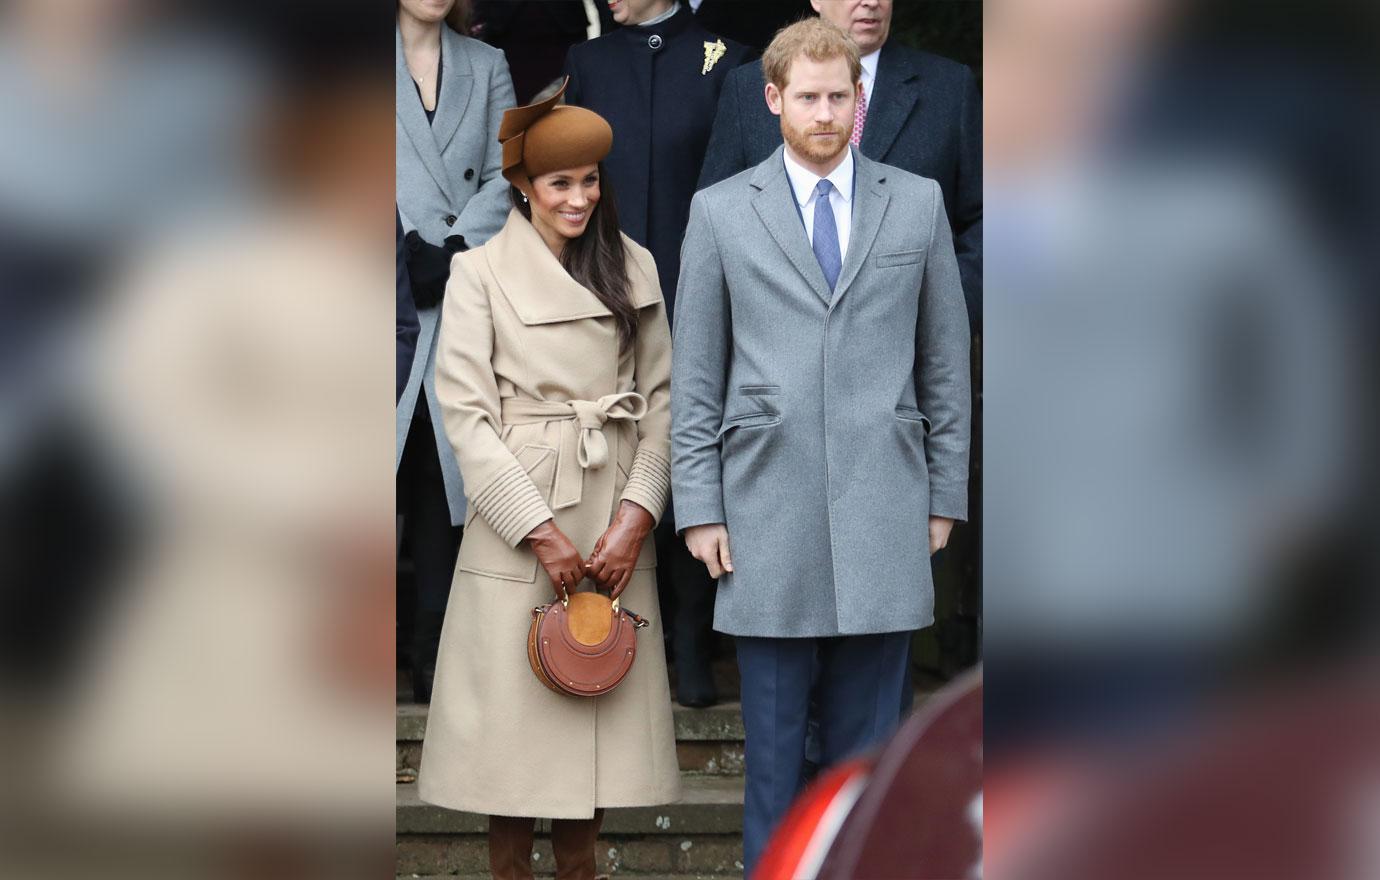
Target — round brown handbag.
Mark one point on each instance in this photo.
(582, 646)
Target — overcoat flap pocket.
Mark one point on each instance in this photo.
(910, 414)
(750, 420)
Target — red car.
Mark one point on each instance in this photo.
(911, 810)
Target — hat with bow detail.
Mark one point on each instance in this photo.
(546, 136)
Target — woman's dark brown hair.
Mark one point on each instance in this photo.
(459, 17)
(597, 259)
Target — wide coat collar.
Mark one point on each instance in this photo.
(457, 86)
(776, 206)
(540, 290)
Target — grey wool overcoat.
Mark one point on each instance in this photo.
(449, 182)
(549, 419)
(824, 428)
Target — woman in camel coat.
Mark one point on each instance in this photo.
(556, 400)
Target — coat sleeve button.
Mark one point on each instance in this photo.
(469, 174)
(450, 219)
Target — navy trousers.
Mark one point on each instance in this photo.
(859, 678)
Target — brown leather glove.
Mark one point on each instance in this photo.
(558, 556)
(616, 551)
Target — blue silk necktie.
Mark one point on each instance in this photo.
(826, 237)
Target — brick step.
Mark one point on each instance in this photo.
(708, 741)
(721, 723)
(700, 835)
(708, 805)
(718, 856)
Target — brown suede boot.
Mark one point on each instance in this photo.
(573, 841)
(510, 847)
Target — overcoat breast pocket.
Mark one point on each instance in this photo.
(900, 258)
(482, 551)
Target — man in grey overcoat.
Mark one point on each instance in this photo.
(820, 406)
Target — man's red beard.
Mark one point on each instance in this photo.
(816, 149)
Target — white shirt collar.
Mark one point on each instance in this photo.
(803, 180)
(869, 74)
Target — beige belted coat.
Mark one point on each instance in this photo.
(547, 419)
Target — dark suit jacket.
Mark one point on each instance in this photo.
(661, 107)
(408, 326)
(928, 121)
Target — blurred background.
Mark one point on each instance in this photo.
(1178, 616)
(195, 607)
(1178, 552)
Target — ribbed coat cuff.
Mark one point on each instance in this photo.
(649, 482)
(512, 505)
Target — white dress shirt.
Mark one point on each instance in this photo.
(869, 76)
(803, 183)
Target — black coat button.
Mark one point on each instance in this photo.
(654, 41)
(450, 219)
(469, 174)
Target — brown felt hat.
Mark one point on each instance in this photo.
(544, 137)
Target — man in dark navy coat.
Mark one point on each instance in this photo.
(657, 81)
(923, 115)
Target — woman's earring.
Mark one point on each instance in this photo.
(524, 198)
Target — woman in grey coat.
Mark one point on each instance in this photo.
(451, 94)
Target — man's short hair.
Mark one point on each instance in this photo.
(816, 39)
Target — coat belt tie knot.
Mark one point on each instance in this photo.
(582, 442)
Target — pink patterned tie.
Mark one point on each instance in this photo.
(859, 116)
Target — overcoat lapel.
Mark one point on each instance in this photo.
(456, 88)
(899, 87)
(869, 206)
(413, 119)
(775, 204)
(536, 285)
